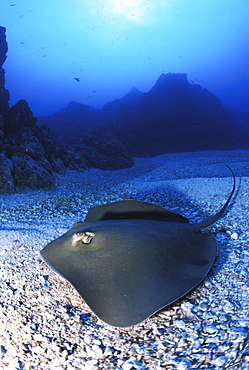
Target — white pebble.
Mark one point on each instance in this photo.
(234, 236)
(220, 361)
(127, 365)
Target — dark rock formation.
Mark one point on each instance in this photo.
(125, 103)
(30, 174)
(18, 117)
(73, 159)
(85, 139)
(6, 175)
(4, 94)
(71, 123)
(1, 131)
(103, 150)
(28, 146)
(98, 150)
(28, 155)
(174, 116)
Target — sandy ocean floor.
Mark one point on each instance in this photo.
(44, 324)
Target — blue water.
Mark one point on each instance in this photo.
(94, 52)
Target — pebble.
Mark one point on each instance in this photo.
(233, 236)
(45, 325)
(212, 330)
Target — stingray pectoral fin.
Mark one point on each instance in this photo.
(132, 209)
(77, 224)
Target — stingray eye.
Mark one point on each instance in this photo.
(87, 238)
(83, 237)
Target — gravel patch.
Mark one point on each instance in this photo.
(44, 324)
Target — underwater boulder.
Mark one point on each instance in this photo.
(18, 117)
(30, 174)
(27, 144)
(73, 159)
(1, 131)
(4, 93)
(103, 150)
(173, 116)
(6, 175)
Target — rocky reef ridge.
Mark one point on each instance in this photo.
(174, 116)
(28, 155)
(4, 94)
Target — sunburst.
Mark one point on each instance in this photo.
(131, 9)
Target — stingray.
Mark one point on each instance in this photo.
(130, 258)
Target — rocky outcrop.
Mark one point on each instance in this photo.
(85, 140)
(174, 116)
(28, 155)
(18, 117)
(1, 131)
(32, 155)
(72, 122)
(103, 150)
(95, 150)
(6, 175)
(4, 94)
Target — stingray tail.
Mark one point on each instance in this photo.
(205, 224)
